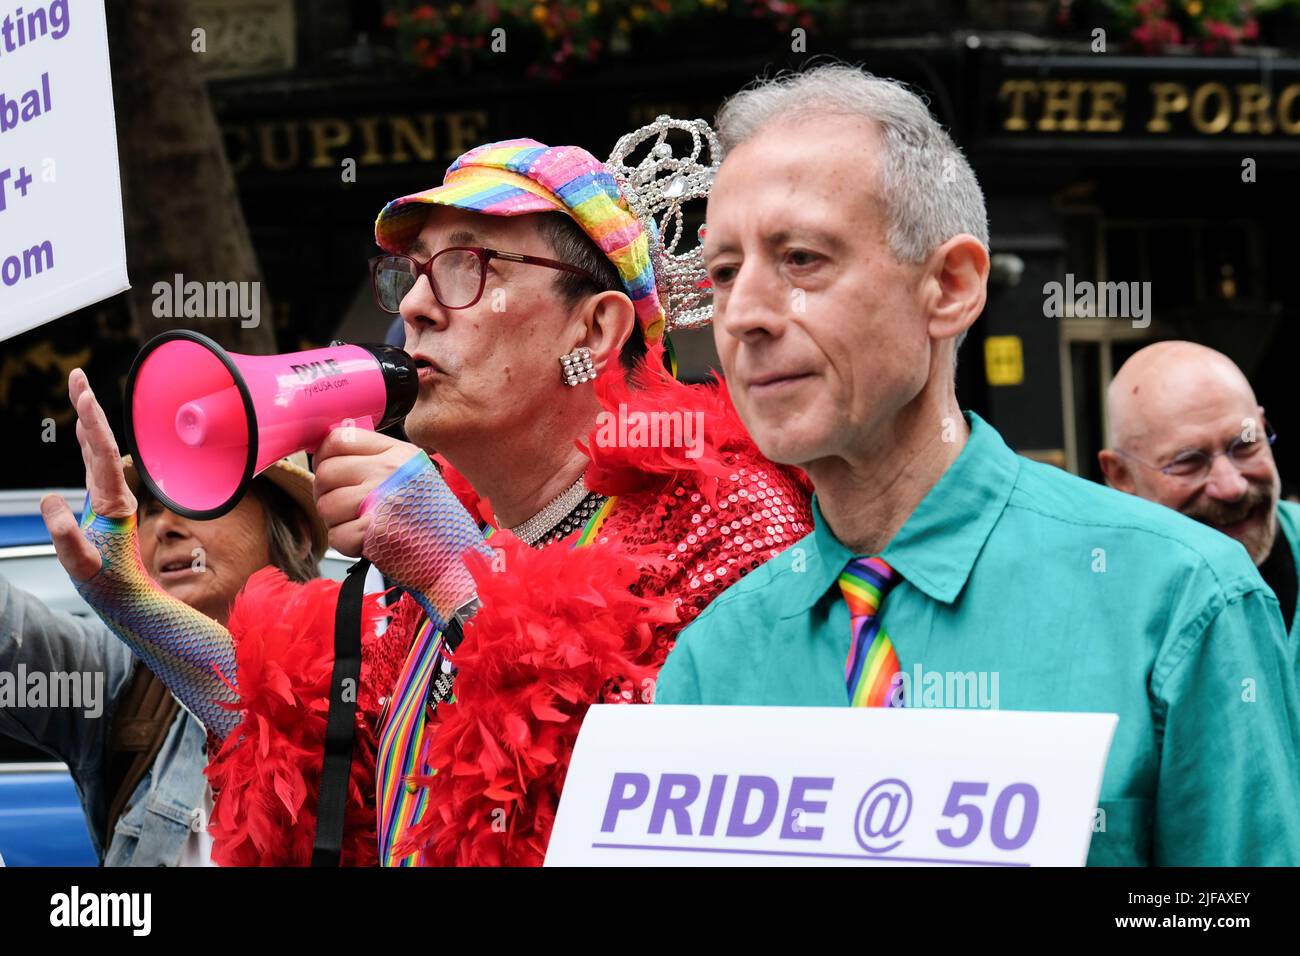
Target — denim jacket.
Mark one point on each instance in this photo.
(157, 819)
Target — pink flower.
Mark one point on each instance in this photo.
(1154, 35)
(1218, 30)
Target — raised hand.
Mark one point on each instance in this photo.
(192, 653)
(105, 483)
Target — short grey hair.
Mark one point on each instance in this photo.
(570, 244)
(928, 187)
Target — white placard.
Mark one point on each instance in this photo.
(800, 786)
(61, 241)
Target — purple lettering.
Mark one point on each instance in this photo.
(713, 804)
(998, 825)
(794, 826)
(620, 799)
(767, 789)
(666, 803)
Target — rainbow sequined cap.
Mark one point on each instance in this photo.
(615, 204)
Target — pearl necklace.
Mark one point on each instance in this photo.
(568, 511)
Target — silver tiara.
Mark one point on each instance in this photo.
(656, 189)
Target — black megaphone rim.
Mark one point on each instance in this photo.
(212, 346)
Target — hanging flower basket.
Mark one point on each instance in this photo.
(549, 40)
(1210, 27)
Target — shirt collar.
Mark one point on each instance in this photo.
(937, 546)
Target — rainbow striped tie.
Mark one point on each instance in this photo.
(872, 663)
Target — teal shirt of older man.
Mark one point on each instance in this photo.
(1288, 517)
(1073, 597)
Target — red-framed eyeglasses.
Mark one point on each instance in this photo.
(457, 275)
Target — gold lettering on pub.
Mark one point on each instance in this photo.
(1098, 106)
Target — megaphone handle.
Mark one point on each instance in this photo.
(365, 421)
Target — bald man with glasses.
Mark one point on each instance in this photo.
(1187, 432)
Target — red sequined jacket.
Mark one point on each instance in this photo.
(559, 629)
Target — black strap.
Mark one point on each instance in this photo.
(340, 725)
(453, 634)
(441, 685)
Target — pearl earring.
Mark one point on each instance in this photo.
(576, 367)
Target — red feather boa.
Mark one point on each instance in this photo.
(562, 628)
(266, 773)
(619, 468)
(559, 630)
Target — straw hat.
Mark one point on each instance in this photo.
(290, 475)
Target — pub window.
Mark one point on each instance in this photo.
(1202, 273)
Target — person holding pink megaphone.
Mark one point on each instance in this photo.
(587, 507)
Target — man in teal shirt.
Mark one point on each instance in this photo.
(848, 250)
(1187, 432)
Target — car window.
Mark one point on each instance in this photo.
(37, 571)
(334, 565)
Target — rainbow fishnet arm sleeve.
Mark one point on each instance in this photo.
(190, 651)
(418, 534)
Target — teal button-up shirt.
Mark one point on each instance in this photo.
(1027, 588)
(1288, 516)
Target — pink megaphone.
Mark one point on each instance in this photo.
(202, 422)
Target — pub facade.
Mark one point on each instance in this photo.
(1131, 198)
